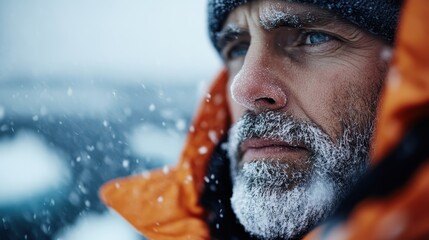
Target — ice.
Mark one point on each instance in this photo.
(108, 226)
(151, 141)
(29, 167)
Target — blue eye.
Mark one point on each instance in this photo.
(240, 50)
(317, 38)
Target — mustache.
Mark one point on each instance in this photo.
(278, 126)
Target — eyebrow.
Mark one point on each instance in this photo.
(275, 19)
(231, 32)
(305, 19)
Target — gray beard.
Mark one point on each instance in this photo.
(274, 200)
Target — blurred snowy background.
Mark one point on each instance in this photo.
(92, 90)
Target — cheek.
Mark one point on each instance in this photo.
(317, 100)
(348, 96)
(325, 95)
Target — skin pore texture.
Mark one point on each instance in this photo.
(304, 90)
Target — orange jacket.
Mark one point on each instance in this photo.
(165, 204)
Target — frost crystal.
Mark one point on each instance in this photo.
(213, 136)
(126, 163)
(206, 179)
(272, 199)
(180, 124)
(202, 150)
(166, 169)
(272, 17)
(189, 178)
(191, 129)
(146, 174)
(386, 54)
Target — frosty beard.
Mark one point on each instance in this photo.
(271, 198)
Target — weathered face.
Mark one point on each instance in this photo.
(303, 92)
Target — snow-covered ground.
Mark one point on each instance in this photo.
(145, 141)
(29, 167)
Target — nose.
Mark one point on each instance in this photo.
(256, 87)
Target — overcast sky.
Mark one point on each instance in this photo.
(160, 40)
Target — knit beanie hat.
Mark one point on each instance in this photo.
(378, 17)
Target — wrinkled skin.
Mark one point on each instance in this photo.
(304, 62)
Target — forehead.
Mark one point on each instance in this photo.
(269, 14)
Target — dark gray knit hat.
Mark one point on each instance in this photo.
(379, 17)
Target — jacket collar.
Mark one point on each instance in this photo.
(166, 204)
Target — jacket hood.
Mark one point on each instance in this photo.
(166, 204)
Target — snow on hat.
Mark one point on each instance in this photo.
(378, 17)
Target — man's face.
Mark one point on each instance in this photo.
(304, 89)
